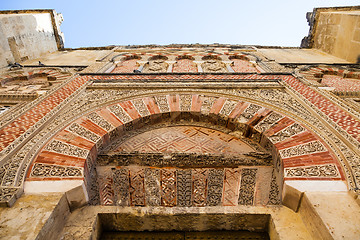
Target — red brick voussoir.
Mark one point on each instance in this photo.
(20, 125)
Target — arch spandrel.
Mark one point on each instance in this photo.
(294, 147)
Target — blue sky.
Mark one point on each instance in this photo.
(124, 22)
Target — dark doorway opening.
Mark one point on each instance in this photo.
(177, 235)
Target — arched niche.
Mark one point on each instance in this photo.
(184, 63)
(127, 64)
(241, 63)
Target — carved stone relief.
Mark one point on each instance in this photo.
(48, 170)
(152, 187)
(162, 103)
(200, 178)
(274, 196)
(286, 133)
(66, 149)
(249, 112)
(137, 188)
(231, 186)
(141, 107)
(268, 122)
(185, 103)
(213, 66)
(120, 113)
(83, 132)
(247, 186)
(327, 170)
(100, 121)
(184, 159)
(107, 196)
(156, 64)
(215, 187)
(121, 186)
(207, 103)
(228, 107)
(184, 187)
(168, 187)
(37, 81)
(303, 149)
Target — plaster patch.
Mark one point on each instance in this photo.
(31, 187)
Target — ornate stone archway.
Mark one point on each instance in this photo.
(108, 104)
(297, 152)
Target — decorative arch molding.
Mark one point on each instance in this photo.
(72, 152)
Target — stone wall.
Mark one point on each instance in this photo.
(28, 35)
(336, 31)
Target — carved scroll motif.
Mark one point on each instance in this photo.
(247, 186)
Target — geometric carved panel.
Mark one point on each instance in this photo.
(184, 139)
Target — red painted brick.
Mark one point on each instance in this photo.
(151, 105)
(218, 104)
(311, 159)
(108, 116)
(298, 139)
(59, 159)
(196, 103)
(73, 139)
(184, 65)
(130, 109)
(12, 131)
(86, 123)
(127, 66)
(280, 125)
(239, 108)
(174, 102)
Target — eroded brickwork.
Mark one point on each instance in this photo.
(127, 66)
(184, 65)
(239, 65)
